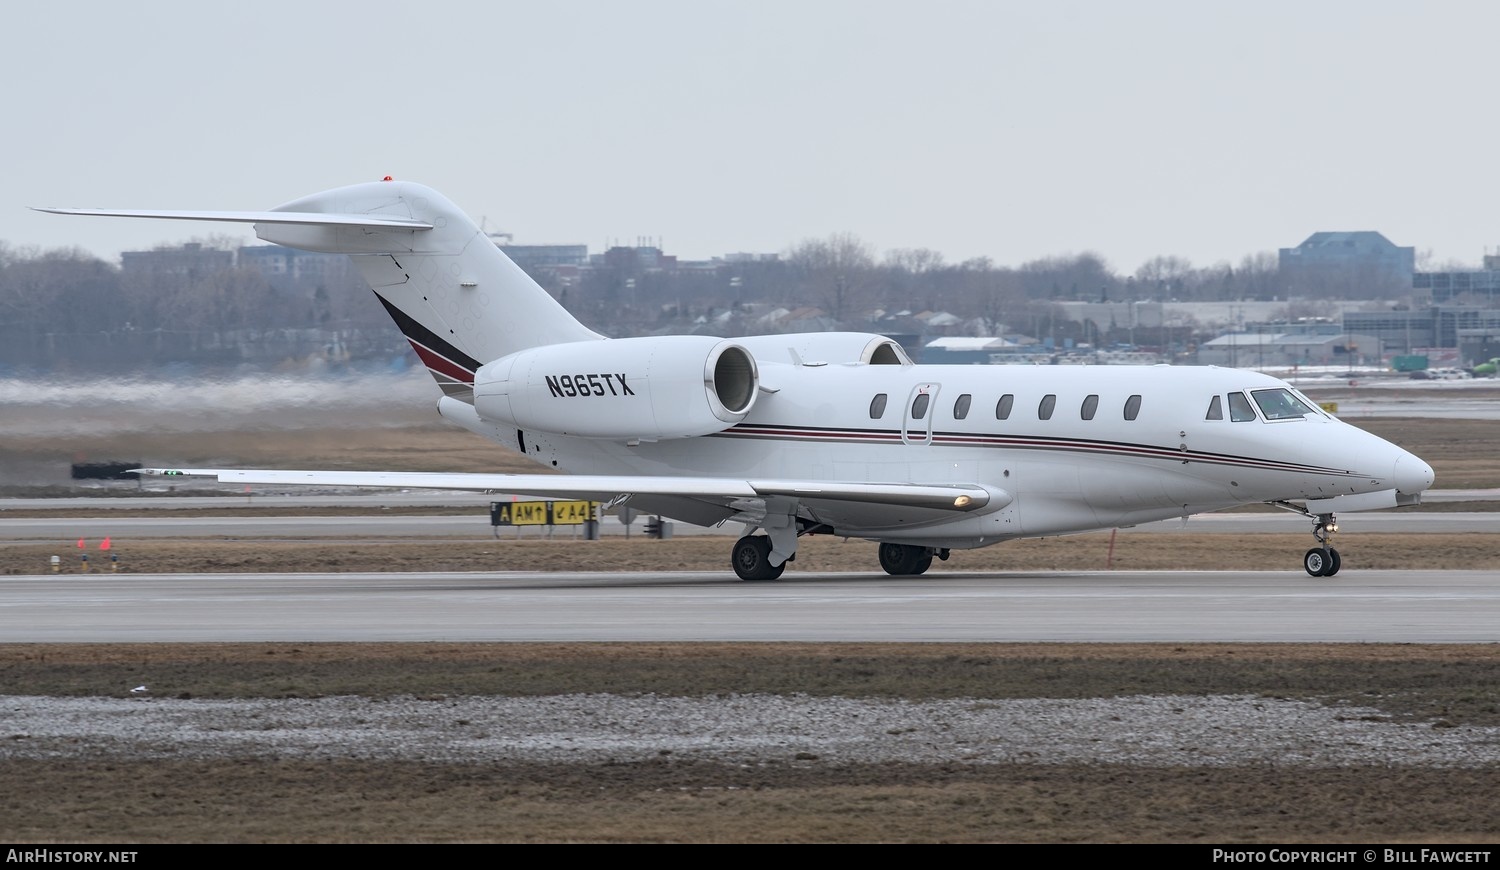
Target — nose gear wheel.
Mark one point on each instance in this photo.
(1323, 560)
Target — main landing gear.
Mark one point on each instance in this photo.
(1323, 560)
(907, 560)
(751, 558)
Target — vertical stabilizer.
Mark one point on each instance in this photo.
(457, 298)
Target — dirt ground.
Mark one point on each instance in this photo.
(798, 800)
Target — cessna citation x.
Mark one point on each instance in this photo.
(826, 433)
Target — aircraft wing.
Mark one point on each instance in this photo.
(862, 504)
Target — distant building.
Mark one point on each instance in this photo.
(290, 268)
(641, 258)
(964, 350)
(1348, 265)
(1480, 287)
(530, 257)
(1399, 331)
(191, 259)
(1281, 350)
(1441, 326)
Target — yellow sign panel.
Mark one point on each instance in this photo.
(541, 513)
(572, 513)
(521, 513)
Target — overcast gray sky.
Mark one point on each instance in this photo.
(1013, 130)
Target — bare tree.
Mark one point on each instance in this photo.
(1071, 276)
(1164, 277)
(836, 270)
(62, 290)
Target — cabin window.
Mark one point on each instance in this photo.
(1090, 407)
(1045, 409)
(919, 407)
(961, 407)
(1281, 405)
(1002, 407)
(877, 406)
(1215, 409)
(1133, 407)
(1239, 408)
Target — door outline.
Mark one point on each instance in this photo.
(921, 433)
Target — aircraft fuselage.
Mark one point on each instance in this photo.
(1076, 447)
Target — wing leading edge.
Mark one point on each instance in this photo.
(879, 502)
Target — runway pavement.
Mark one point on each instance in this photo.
(1146, 606)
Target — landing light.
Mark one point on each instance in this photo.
(962, 501)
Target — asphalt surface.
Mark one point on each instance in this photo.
(1145, 606)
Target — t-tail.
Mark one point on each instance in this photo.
(454, 295)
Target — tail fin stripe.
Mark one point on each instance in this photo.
(423, 338)
(441, 366)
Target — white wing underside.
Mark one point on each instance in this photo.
(867, 505)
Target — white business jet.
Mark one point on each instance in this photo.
(824, 433)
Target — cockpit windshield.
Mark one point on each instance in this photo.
(1281, 404)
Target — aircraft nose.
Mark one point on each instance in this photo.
(1411, 474)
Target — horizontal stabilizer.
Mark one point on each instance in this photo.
(254, 217)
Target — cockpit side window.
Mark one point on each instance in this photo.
(1281, 405)
(877, 406)
(1215, 409)
(1239, 408)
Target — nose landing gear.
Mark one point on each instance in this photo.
(1323, 560)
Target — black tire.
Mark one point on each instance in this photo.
(1319, 562)
(1337, 563)
(751, 559)
(893, 559)
(903, 560)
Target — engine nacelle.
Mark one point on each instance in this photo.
(625, 388)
